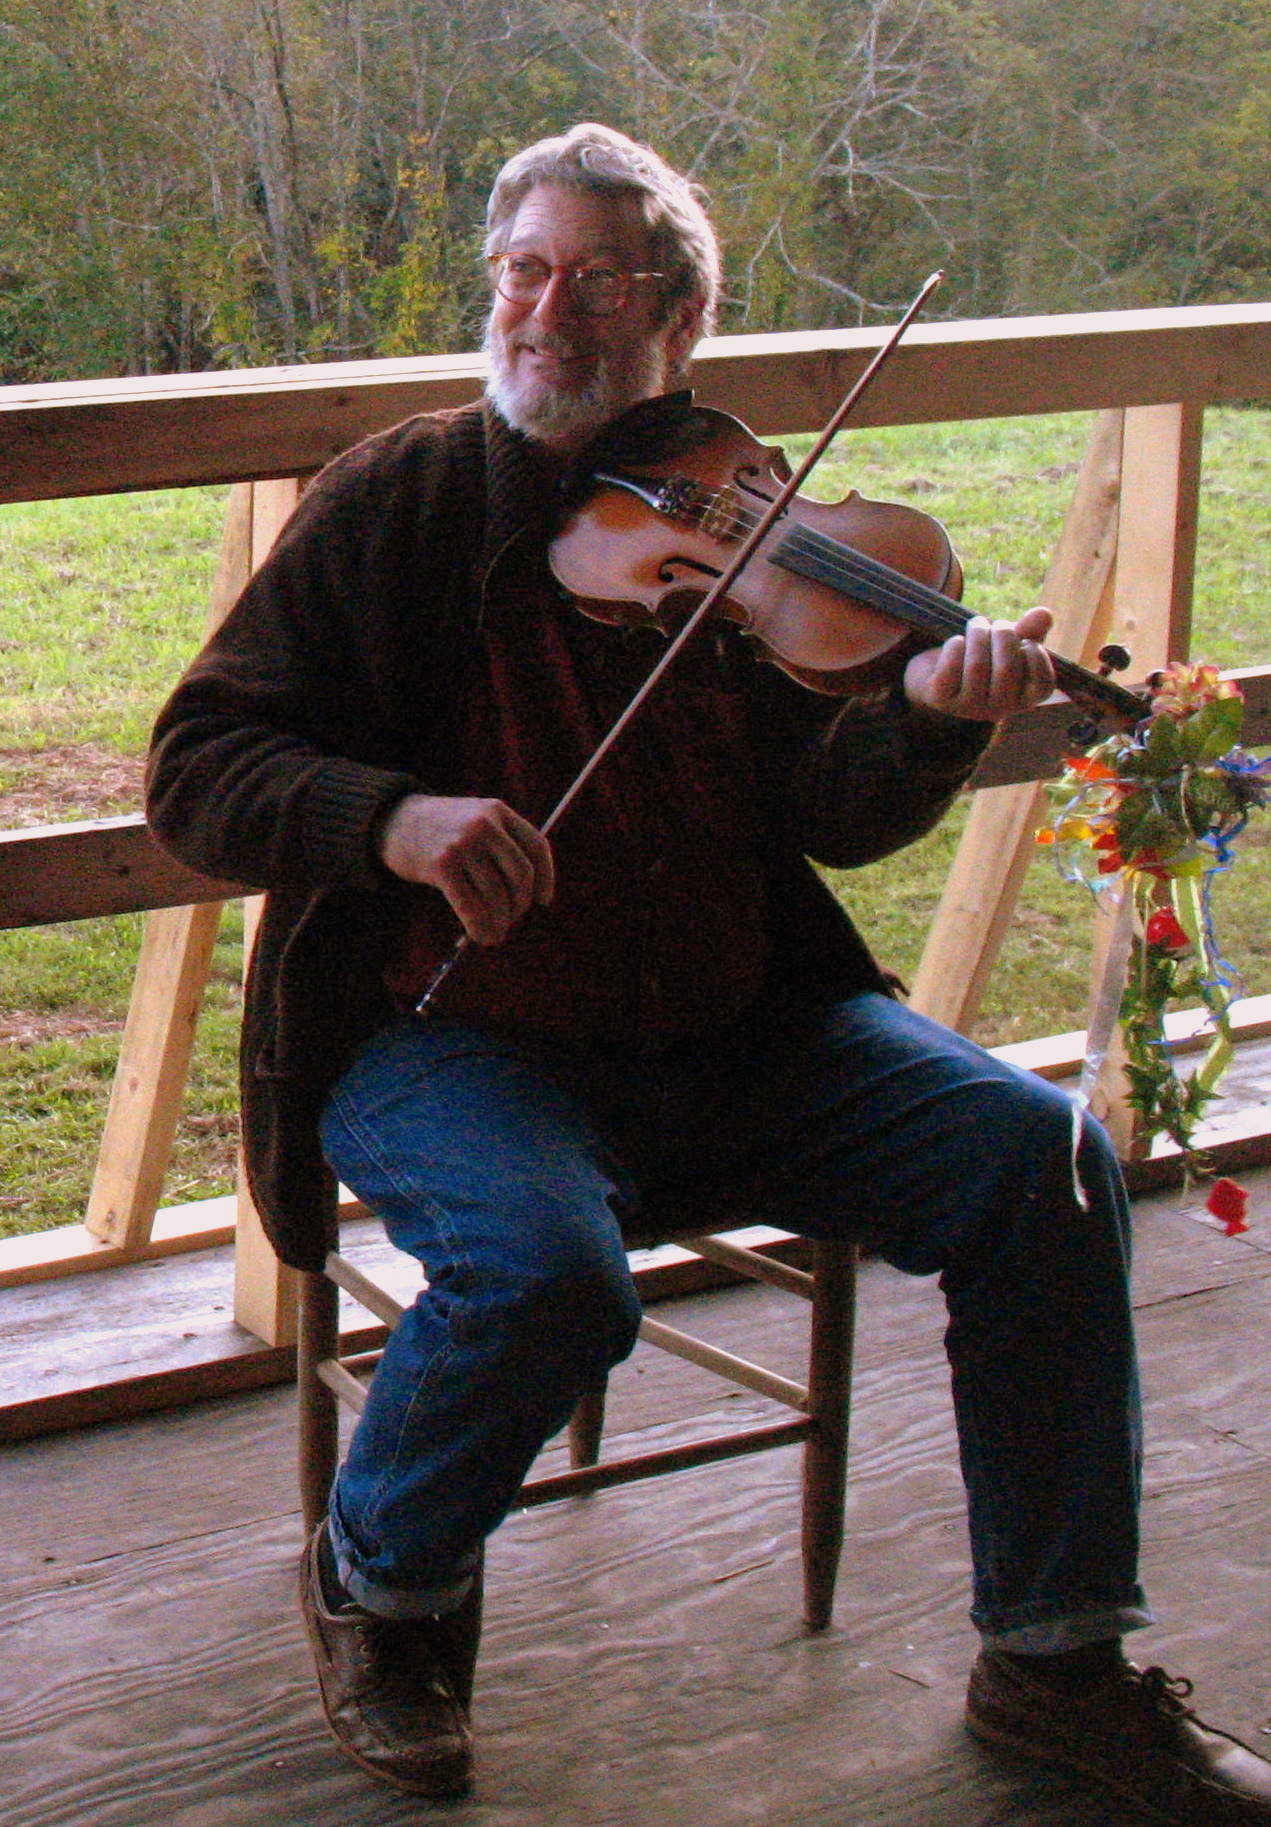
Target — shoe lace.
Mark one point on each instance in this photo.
(370, 1638)
(391, 1651)
(1166, 1692)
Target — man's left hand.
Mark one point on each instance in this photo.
(992, 671)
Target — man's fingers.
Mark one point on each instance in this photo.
(500, 876)
(1034, 624)
(496, 869)
(491, 864)
(990, 671)
(1039, 671)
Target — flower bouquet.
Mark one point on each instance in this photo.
(1153, 815)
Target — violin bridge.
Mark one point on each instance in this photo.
(719, 513)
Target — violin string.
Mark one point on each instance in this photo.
(937, 613)
(846, 568)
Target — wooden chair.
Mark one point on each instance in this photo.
(821, 1405)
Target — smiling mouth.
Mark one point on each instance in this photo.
(544, 352)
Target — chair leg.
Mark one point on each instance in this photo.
(586, 1425)
(318, 1338)
(829, 1401)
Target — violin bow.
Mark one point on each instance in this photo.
(701, 614)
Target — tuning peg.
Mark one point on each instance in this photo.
(1113, 658)
(1083, 733)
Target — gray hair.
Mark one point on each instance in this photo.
(598, 159)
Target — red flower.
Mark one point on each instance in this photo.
(1164, 930)
(1182, 688)
(1109, 848)
(1087, 768)
(1229, 1202)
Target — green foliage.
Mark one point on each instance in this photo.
(1170, 1103)
(1119, 172)
(411, 300)
(246, 181)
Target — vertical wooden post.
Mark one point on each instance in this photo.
(984, 882)
(273, 504)
(266, 1295)
(167, 993)
(1156, 537)
(1151, 615)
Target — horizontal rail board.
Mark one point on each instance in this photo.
(51, 873)
(1032, 747)
(103, 437)
(996, 367)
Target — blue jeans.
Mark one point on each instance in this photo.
(508, 1170)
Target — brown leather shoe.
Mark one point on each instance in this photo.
(1133, 1734)
(396, 1693)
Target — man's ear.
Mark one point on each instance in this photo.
(681, 334)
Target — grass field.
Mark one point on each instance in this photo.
(102, 601)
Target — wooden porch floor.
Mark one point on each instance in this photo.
(643, 1662)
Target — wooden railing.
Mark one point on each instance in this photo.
(101, 437)
(1122, 570)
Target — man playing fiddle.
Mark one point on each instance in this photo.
(663, 994)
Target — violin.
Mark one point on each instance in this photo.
(839, 595)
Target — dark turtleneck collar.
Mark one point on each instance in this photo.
(523, 473)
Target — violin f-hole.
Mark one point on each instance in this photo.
(669, 571)
(748, 476)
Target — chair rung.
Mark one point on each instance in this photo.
(751, 1263)
(724, 1364)
(367, 1293)
(357, 1361)
(665, 1459)
(342, 1383)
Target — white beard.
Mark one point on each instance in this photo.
(540, 411)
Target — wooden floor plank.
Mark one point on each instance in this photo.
(643, 1662)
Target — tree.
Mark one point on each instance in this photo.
(216, 183)
(1121, 157)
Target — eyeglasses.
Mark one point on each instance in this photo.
(596, 289)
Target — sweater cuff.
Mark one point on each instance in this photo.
(947, 749)
(346, 805)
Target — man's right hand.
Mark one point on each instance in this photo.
(491, 864)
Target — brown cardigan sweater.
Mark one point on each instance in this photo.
(333, 689)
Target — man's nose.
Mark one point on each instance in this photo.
(555, 303)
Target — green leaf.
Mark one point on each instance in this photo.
(1218, 728)
(1164, 744)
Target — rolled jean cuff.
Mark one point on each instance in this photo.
(406, 1603)
(1051, 1636)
